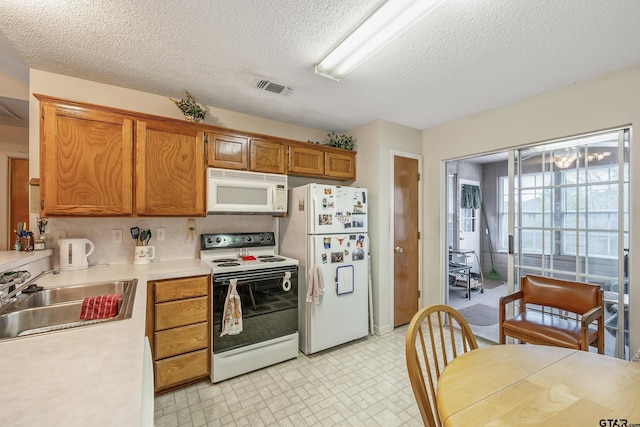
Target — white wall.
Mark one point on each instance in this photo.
(376, 141)
(10, 87)
(609, 101)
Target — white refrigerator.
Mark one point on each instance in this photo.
(326, 227)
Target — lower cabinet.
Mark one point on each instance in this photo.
(178, 314)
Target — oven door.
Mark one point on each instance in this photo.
(269, 306)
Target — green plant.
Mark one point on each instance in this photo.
(338, 141)
(191, 110)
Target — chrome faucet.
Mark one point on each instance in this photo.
(21, 283)
(17, 278)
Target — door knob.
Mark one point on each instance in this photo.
(399, 249)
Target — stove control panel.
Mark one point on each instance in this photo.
(236, 240)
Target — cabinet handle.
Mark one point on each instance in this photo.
(206, 152)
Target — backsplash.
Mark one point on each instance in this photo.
(175, 245)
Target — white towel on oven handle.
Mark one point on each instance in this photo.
(232, 313)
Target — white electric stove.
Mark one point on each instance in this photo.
(267, 284)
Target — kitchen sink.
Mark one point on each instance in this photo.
(56, 309)
(72, 293)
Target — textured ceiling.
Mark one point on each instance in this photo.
(466, 56)
(14, 112)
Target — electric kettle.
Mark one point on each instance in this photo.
(73, 253)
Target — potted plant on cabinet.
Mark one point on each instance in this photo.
(193, 112)
(338, 141)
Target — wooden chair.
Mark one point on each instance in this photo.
(432, 343)
(554, 312)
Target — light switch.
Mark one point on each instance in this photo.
(191, 230)
(160, 234)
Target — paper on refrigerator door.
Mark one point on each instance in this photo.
(344, 280)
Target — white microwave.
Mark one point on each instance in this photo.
(230, 191)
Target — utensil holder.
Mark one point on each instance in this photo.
(26, 243)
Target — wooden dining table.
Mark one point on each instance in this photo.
(530, 385)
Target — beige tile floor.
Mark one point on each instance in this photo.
(363, 383)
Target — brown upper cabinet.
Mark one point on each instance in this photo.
(170, 169)
(306, 160)
(102, 161)
(325, 162)
(267, 156)
(228, 151)
(85, 161)
(340, 165)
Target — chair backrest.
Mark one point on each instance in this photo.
(432, 343)
(575, 297)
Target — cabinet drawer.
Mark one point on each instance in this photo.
(183, 368)
(181, 340)
(175, 289)
(180, 313)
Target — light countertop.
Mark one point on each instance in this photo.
(84, 376)
(12, 259)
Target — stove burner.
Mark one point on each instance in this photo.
(266, 256)
(225, 260)
(272, 259)
(228, 264)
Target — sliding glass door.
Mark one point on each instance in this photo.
(570, 218)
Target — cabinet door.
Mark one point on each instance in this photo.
(338, 165)
(85, 161)
(267, 156)
(228, 151)
(306, 161)
(170, 169)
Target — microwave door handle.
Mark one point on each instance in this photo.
(271, 196)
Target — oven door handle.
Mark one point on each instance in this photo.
(252, 277)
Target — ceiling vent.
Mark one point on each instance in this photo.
(6, 114)
(272, 87)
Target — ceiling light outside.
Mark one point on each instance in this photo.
(564, 158)
(382, 26)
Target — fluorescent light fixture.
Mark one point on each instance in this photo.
(384, 25)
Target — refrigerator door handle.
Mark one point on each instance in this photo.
(312, 212)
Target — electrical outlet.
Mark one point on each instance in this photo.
(116, 236)
(160, 234)
(59, 234)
